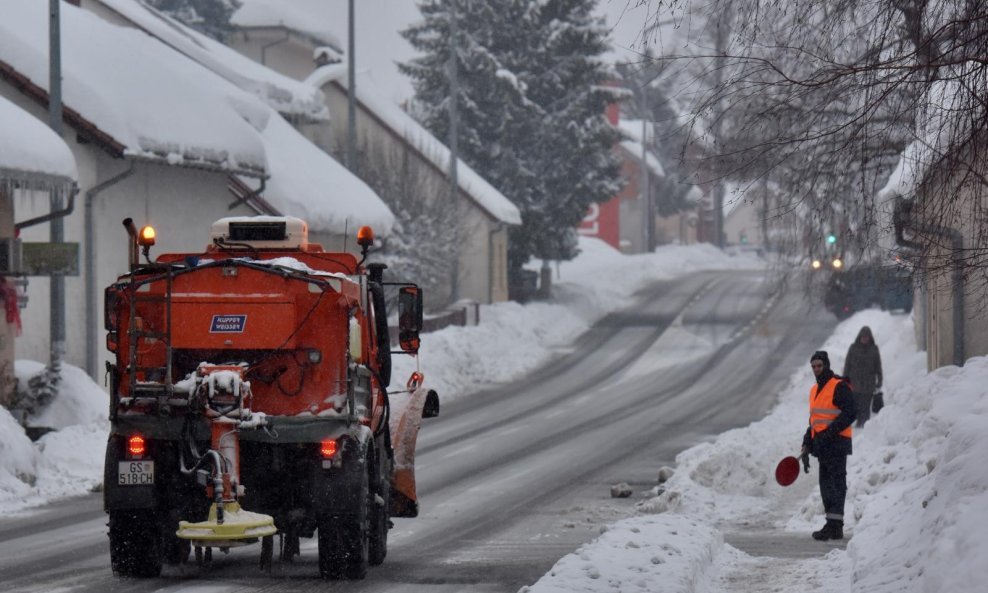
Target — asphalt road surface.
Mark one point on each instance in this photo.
(518, 475)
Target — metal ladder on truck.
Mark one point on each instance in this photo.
(160, 390)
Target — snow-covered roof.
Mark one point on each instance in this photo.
(379, 45)
(284, 94)
(635, 150)
(905, 177)
(472, 184)
(133, 89)
(311, 17)
(308, 183)
(30, 151)
(632, 130)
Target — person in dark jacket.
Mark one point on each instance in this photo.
(863, 368)
(828, 438)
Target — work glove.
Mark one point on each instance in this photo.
(806, 460)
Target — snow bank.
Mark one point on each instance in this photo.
(63, 463)
(668, 553)
(917, 482)
(79, 401)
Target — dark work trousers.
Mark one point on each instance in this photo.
(833, 484)
(862, 407)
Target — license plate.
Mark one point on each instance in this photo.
(135, 473)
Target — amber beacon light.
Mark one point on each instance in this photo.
(146, 237)
(365, 236)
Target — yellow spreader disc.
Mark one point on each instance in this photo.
(239, 527)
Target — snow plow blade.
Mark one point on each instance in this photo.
(407, 413)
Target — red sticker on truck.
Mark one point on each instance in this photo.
(228, 324)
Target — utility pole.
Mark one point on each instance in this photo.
(648, 204)
(454, 186)
(765, 243)
(722, 33)
(57, 228)
(351, 117)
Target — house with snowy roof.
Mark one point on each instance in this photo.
(163, 140)
(33, 161)
(939, 239)
(305, 40)
(621, 220)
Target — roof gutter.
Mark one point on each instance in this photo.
(90, 264)
(903, 220)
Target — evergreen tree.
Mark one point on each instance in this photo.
(567, 82)
(211, 17)
(530, 97)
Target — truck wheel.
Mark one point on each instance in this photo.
(379, 520)
(176, 550)
(134, 544)
(343, 541)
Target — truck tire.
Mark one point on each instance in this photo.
(379, 523)
(344, 542)
(174, 550)
(135, 544)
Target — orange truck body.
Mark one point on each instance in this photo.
(309, 330)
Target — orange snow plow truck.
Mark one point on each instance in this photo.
(249, 401)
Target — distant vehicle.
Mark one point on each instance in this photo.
(864, 286)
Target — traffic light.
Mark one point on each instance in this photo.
(831, 239)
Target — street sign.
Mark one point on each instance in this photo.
(47, 259)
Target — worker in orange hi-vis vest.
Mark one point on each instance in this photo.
(828, 438)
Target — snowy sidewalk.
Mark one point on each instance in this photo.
(916, 508)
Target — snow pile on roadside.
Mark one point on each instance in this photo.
(66, 462)
(659, 552)
(514, 339)
(918, 483)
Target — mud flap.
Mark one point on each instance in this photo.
(406, 418)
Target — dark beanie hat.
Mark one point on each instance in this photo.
(822, 356)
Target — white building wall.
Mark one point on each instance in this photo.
(279, 49)
(745, 220)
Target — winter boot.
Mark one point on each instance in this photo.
(838, 530)
(832, 530)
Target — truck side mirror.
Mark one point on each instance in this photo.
(409, 317)
(110, 297)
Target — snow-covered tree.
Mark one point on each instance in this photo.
(211, 17)
(566, 84)
(420, 247)
(530, 99)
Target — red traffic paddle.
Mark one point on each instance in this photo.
(787, 471)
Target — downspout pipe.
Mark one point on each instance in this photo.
(89, 233)
(498, 227)
(903, 220)
(53, 214)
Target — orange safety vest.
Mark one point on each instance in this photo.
(822, 408)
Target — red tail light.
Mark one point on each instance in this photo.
(328, 448)
(135, 445)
